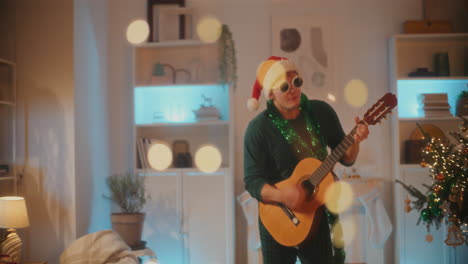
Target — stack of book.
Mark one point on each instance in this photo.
(143, 145)
(435, 105)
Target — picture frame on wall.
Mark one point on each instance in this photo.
(309, 43)
(166, 23)
(154, 5)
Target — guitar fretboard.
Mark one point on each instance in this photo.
(331, 160)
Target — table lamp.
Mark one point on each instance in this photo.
(13, 215)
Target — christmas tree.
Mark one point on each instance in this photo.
(446, 200)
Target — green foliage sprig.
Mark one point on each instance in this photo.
(227, 58)
(127, 191)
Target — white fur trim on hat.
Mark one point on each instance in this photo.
(252, 104)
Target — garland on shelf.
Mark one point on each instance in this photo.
(227, 58)
(445, 201)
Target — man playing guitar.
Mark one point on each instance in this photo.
(291, 129)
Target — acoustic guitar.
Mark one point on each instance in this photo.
(290, 228)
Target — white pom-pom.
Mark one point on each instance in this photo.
(252, 104)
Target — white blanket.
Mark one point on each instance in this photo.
(100, 247)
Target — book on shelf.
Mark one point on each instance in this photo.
(435, 107)
(437, 113)
(436, 103)
(143, 146)
(142, 153)
(433, 97)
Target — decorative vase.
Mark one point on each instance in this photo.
(129, 227)
(12, 246)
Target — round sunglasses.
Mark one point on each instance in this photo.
(297, 82)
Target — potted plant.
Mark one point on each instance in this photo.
(128, 192)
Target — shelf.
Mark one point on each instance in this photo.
(8, 103)
(185, 42)
(176, 85)
(177, 171)
(431, 36)
(433, 78)
(426, 119)
(5, 178)
(413, 167)
(7, 62)
(201, 123)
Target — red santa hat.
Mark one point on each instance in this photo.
(270, 74)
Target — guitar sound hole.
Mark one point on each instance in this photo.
(309, 189)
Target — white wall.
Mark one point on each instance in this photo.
(120, 14)
(45, 126)
(91, 115)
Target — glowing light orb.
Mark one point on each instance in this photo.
(338, 197)
(208, 159)
(159, 156)
(337, 235)
(356, 93)
(343, 232)
(137, 31)
(209, 29)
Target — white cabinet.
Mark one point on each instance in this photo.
(190, 217)
(8, 176)
(407, 53)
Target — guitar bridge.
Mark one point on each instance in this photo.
(290, 215)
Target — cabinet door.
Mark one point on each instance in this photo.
(205, 217)
(162, 230)
(413, 247)
(186, 217)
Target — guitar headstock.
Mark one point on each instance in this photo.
(380, 109)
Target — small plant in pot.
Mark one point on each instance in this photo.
(128, 192)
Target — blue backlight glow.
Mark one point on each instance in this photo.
(176, 103)
(409, 103)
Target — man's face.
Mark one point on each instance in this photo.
(288, 99)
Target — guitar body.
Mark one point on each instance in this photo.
(291, 228)
(277, 222)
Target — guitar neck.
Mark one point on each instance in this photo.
(334, 157)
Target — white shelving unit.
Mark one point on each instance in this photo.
(407, 53)
(8, 182)
(190, 218)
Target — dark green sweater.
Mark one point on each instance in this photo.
(268, 158)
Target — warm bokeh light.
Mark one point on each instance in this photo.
(208, 159)
(160, 156)
(339, 197)
(331, 97)
(349, 228)
(356, 93)
(337, 235)
(137, 31)
(209, 29)
(344, 232)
